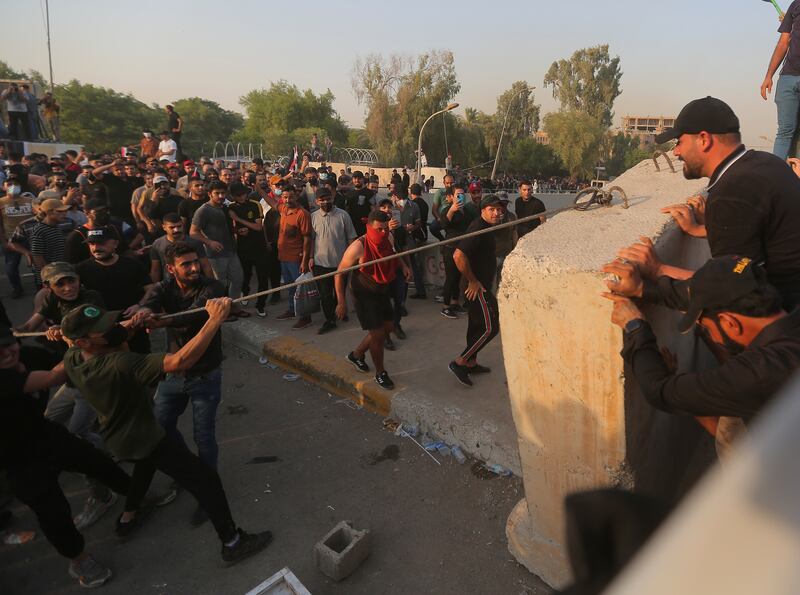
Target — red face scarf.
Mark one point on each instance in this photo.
(377, 245)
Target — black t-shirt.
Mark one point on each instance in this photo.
(480, 252)
(248, 241)
(526, 208)
(121, 284)
(172, 122)
(170, 204)
(22, 415)
(54, 308)
(791, 24)
(358, 204)
(753, 210)
(422, 232)
(119, 195)
(188, 208)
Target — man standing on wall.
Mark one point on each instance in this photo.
(175, 127)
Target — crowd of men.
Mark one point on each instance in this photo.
(29, 117)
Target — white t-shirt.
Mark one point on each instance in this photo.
(168, 149)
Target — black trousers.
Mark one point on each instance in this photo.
(452, 277)
(327, 292)
(273, 266)
(172, 458)
(257, 260)
(34, 481)
(483, 325)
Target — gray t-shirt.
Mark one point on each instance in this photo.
(333, 233)
(216, 225)
(791, 24)
(159, 248)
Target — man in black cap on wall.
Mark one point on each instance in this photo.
(753, 205)
(730, 300)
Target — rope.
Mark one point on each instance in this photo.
(471, 234)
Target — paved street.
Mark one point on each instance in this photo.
(436, 529)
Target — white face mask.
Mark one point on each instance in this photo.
(401, 202)
(14, 190)
(147, 135)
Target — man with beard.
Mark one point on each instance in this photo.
(120, 181)
(47, 238)
(121, 280)
(174, 232)
(333, 233)
(186, 287)
(475, 259)
(525, 206)
(370, 285)
(136, 196)
(164, 200)
(197, 198)
(97, 215)
(752, 207)
(359, 203)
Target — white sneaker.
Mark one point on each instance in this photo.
(93, 509)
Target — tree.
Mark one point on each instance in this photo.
(103, 119)
(400, 94)
(589, 82)
(205, 122)
(621, 147)
(274, 114)
(528, 157)
(576, 137)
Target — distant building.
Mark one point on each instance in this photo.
(542, 137)
(646, 127)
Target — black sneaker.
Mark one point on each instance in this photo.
(461, 373)
(398, 330)
(360, 364)
(124, 530)
(458, 309)
(388, 344)
(478, 369)
(384, 381)
(449, 313)
(199, 516)
(261, 311)
(248, 544)
(326, 327)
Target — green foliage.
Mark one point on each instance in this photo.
(205, 122)
(6, 72)
(103, 119)
(36, 77)
(589, 82)
(400, 94)
(275, 117)
(526, 156)
(620, 150)
(576, 137)
(358, 137)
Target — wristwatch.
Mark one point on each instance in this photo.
(634, 325)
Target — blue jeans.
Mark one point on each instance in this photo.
(787, 98)
(12, 268)
(290, 271)
(205, 391)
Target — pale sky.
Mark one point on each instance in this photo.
(671, 52)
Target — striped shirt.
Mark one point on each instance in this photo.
(48, 242)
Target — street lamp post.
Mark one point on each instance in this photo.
(450, 106)
(503, 131)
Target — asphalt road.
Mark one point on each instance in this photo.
(436, 529)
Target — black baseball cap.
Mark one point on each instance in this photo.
(323, 192)
(86, 319)
(100, 234)
(493, 199)
(719, 282)
(708, 114)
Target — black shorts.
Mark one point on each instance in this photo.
(372, 301)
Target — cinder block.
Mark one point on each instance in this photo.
(340, 552)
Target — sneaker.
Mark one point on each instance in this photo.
(288, 315)
(93, 510)
(461, 373)
(124, 530)
(398, 330)
(248, 544)
(261, 312)
(388, 344)
(199, 516)
(438, 299)
(360, 364)
(326, 327)
(478, 369)
(89, 572)
(449, 313)
(163, 498)
(458, 309)
(419, 296)
(275, 298)
(302, 323)
(384, 381)
(245, 302)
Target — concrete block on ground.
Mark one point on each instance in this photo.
(341, 551)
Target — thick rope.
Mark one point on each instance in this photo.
(471, 234)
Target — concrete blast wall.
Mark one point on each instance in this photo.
(580, 424)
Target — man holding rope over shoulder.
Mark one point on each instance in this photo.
(370, 286)
(475, 259)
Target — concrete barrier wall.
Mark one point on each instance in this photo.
(580, 424)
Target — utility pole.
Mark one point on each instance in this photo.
(503, 131)
(49, 53)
